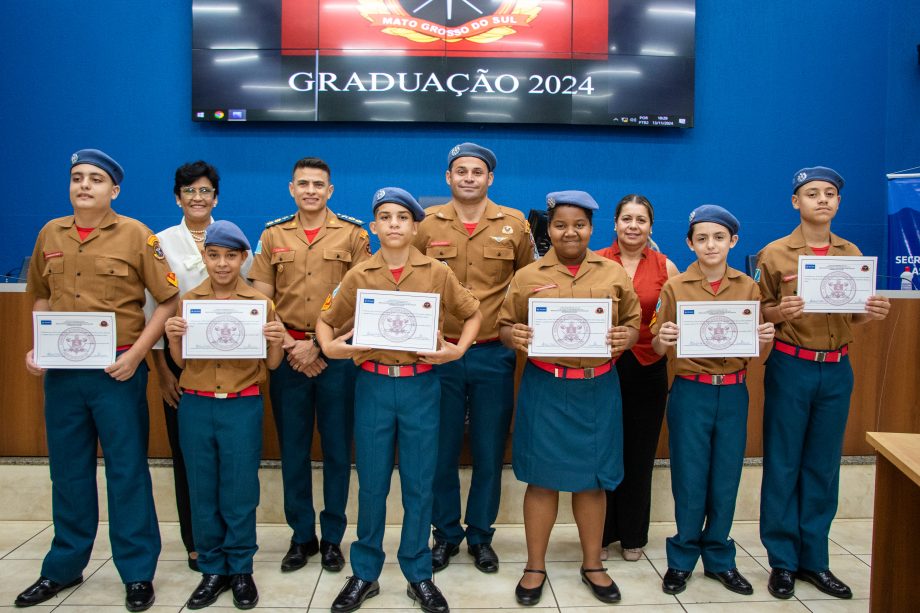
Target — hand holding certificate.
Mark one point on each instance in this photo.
(73, 340)
(723, 329)
(836, 284)
(569, 327)
(218, 329)
(403, 321)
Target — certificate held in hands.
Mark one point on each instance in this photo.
(570, 327)
(718, 329)
(73, 340)
(402, 321)
(224, 329)
(836, 284)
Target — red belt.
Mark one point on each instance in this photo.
(123, 347)
(732, 378)
(564, 372)
(482, 342)
(808, 354)
(297, 335)
(252, 390)
(393, 370)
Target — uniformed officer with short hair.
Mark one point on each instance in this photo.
(299, 260)
(484, 244)
(97, 260)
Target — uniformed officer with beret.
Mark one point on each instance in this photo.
(97, 260)
(299, 260)
(484, 244)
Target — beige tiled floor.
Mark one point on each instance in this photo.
(23, 543)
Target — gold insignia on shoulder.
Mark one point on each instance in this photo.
(526, 226)
(327, 303)
(154, 242)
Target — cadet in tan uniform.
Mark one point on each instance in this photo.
(807, 386)
(707, 411)
(220, 428)
(568, 433)
(299, 260)
(97, 260)
(484, 244)
(397, 402)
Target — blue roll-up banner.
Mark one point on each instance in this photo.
(904, 231)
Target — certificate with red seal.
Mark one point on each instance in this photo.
(718, 329)
(836, 283)
(73, 339)
(220, 329)
(570, 327)
(404, 321)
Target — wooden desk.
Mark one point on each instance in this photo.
(895, 529)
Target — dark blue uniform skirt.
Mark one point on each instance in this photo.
(568, 433)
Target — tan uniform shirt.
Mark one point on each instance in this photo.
(597, 277)
(304, 273)
(106, 272)
(224, 376)
(778, 263)
(693, 286)
(484, 262)
(420, 274)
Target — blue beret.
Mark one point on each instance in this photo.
(227, 234)
(571, 197)
(818, 173)
(472, 150)
(101, 160)
(714, 214)
(401, 197)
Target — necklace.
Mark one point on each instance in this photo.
(197, 235)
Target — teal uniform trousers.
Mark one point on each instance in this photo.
(481, 382)
(707, 427)
(81, 408)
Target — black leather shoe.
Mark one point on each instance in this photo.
(139, 596)
(42, 590)
(604, 593)
(732, 580)
(529, 596)
(484, 557)
(675, 581)
(331, 556)
(428, 596)
(826, 582)
(353, 594)
(441, 554)
(296, 557)
(245, 592)
(781, 583)
(210, 587)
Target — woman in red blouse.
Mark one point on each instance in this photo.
(643, 379)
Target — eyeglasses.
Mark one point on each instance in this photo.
(203, 191)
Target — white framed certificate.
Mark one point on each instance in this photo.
(224, 329)
(403, 321)
(569, 327)
(718, 329)
(836, 283)
(73, 340)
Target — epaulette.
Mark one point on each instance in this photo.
(275, 222)
(349, 219)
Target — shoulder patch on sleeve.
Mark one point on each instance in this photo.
(258, 248)
(757, 275)
(350, 219)
(154, 242)
(275, 222)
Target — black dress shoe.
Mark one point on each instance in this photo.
(441, 554)
(732, 580)
(353, 594)
(296, 557)
(826, 582)
(42, 590)
(210, 587)
(331, 556)
(428, 596)
(484, 557)
(604, 593)
(675, 581)
(781, 583)
(529, 596)
(139, 595)
(245, 592)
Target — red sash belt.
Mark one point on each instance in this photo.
(393, 370)
(733, 378)
(482, 342)
(808, 354)
(252, 390)
(564, 372)
(298, 335)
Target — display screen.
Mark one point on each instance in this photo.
(617, 62)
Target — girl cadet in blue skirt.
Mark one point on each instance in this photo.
(568, 431)
(220, 429)
(707, 411)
